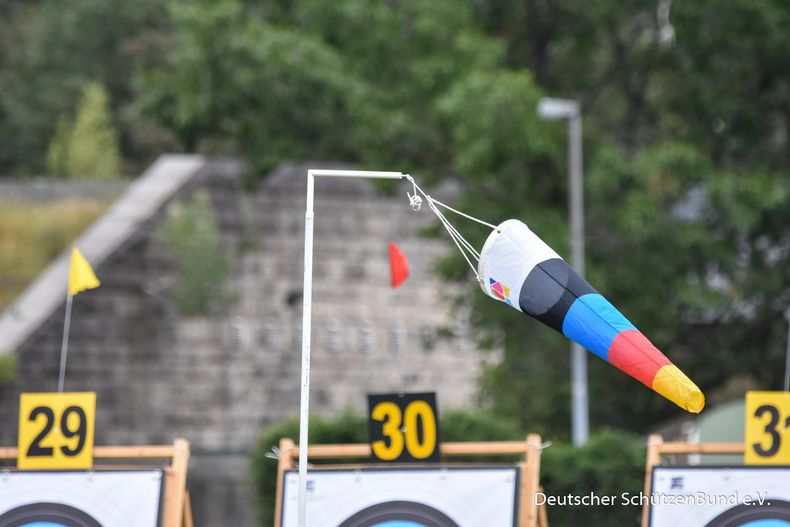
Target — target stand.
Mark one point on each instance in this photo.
(524, 478)
(166, 463)
(714, 495)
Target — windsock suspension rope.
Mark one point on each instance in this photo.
(467, 249)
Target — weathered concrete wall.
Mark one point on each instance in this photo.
(220, 380)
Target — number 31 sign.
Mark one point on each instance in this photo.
(767, 428)
(56, 430)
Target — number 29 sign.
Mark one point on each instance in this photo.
(767, 437)
(403, 427)
(56, 430)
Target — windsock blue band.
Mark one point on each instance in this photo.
(594, 323)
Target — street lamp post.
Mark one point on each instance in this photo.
(554, 109)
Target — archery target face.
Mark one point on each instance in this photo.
(405, 497)
(80, 499)
(720, 497)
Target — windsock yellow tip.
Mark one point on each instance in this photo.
(675, 386)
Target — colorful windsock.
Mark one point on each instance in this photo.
(518, 268)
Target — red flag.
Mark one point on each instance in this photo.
(399, 266)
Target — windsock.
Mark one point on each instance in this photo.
(518, 268)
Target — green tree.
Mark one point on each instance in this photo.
(417, 53)
(92, 150)
(57, 153)
(48, 54)
(88, 147)
(610, 464)
(313, 81)
(235, 84)
(191, 237)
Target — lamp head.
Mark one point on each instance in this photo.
(551, 108)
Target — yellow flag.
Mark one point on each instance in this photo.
(81, 275)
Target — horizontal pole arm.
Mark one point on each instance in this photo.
(373, 174)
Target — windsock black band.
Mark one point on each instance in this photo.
(550, 290)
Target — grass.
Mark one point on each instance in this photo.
(33, 234)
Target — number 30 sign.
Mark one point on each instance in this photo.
(56, 430)
(403, 427)
(767, 428)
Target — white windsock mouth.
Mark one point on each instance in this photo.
(511, 251)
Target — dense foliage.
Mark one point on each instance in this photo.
(687, 119)
(610, 464)
(50, 52)
(86, 148)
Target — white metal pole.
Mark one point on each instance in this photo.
(307, 307)
(579, 401)
(64, 345)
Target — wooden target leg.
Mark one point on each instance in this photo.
(175, 484)
(543, 517)
(530, 476)
(653, 458)
(187, 514)
(285, 462)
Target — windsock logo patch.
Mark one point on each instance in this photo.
(500, 291)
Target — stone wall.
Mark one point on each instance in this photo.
(221, 380)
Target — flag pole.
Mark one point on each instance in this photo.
(81, 277)
(64, 346)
